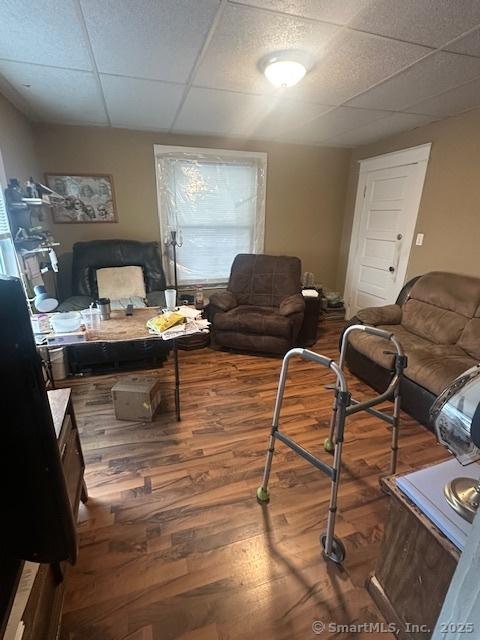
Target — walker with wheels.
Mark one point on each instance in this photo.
(343, 406)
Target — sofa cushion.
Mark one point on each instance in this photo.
(435, 368)
(430, 365)
(252, 342)
(436, 324)
(470, 338)
(252, 319)
(450, 291)
(263, 280)
(373, 347)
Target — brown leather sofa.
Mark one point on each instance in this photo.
(262, 308)
(437, 322)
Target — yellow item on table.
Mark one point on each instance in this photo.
(161, 323)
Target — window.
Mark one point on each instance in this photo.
(8, 263)
(215, 200)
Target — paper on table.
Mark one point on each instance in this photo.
(189, 312)
(186, 329)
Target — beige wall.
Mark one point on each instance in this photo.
(16, 142)
(449, 213)
(305, 188)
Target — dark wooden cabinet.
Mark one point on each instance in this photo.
(43, 610)
(414, 568)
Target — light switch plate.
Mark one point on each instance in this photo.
(419, 240)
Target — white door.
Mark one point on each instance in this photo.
(388, 198)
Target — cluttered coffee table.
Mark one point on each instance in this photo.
(130, 328)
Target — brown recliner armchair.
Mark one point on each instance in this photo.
(262, 308)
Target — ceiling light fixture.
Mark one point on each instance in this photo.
(285, 68)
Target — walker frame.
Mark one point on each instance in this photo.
(343, 406)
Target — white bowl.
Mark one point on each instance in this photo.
(66, 322)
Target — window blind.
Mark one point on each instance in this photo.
(216, 205)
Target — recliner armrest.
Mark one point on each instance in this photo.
(292, 304)
(224, 300)
(156, 299)
(389, 314)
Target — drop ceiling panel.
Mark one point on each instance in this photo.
(336, 11)
(428, 22)
(141, 103)
(436, 74)
(469, 44)
(57, 95)
(455, 101)
(352, 63)
(226, 112)
(333, 123)
(244, 35)
(46, 32)
(148, 38)
(379, 129)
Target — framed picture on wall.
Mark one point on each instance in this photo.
(87, 198)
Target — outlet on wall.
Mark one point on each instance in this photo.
(419, 240)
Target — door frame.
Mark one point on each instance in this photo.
(413, 155)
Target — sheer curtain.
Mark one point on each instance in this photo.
(216, 202)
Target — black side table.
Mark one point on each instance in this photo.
(309, 328)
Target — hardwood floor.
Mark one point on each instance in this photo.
(173, 543)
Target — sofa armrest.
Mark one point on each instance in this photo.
(292, 304)
(223, 300)
(389, 314)
(75, 303)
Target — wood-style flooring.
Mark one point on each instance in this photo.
(173, 544)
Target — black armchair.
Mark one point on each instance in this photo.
(98, 254)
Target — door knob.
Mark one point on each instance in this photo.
(391, 269)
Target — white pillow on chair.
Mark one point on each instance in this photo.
(121, 282)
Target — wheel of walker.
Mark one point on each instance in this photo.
(338, 549)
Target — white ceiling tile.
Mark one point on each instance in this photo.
(244, 35)
(217, 112)
(132, 102)
(389, 126)
(436, 74)
(230, 113)
(57, 95)
(352, 63)
(46, 32)
(281, 117)
(336, 11)
(469, 44)
(148, 38)
(451, 102)
(428, 22)
(331, 124)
